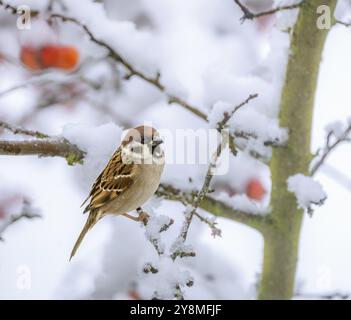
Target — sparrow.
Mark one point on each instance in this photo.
(129, 179)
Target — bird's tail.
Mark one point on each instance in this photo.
(92, 219)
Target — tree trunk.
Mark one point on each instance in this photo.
(296, 110)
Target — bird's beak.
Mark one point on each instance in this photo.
(157, 142)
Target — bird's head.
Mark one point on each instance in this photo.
(142, 145)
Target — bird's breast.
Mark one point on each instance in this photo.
(143, 188)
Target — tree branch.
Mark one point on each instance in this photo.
(43, 148)
(213, 206)
(248, 15)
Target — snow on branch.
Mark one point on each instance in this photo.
(179, 249)
(337, 133)
(247, 125)
(132, 71)
(308, 192)
(214, 206)
(164, 270)
(42, 146)
(22, 131)
(156, 82)
(154, 226)
(248, 15)
(28, 212)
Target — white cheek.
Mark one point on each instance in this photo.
(127, 157)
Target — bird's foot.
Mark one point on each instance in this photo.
(143, 216)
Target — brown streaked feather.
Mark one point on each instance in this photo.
(93, 218)
(113, 181)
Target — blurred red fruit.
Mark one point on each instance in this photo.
(29, 58)
(61, 57)
(255, 190)
(134, 295)
(50, 56)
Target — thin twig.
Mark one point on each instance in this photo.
(15, 10)
(18, 130)
(203, 191)
(345, 24)
(215, 231)
(25, 214)
(227, 116)
(331, 146)
(9, 7)
(249, 15)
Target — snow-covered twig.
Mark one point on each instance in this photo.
(154, 226)
(18, 130)
(331, 145)
(191, 210)
(211, 205)
(248, 15)
(14, 10)
(132, 71)
(227, 115)
(203, 191)
(42, 146)
(27, 213)
(215, 231)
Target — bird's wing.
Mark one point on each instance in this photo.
(113, 181)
